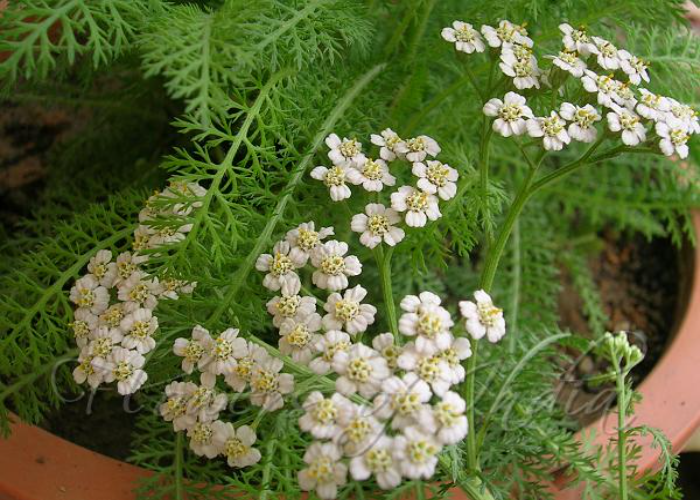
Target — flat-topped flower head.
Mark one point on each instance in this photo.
(635, 67)
(175, 408)
(428, 365)
(345, 153)
(552, 129)
(85, 372)
(140, 289)
(377, 224)
(389, 144)
(506, 34)
(298, 336)
(138, 328)
(347, 312)
(418, 205)
(483, 318)
(320, 418)
(268, 385)
(510, 113)
(304, 240)
(290, 306)
(626, 96)
(324, 471)
(430, 325)
(206, 438)
(124, 366)
(445, 419)
(608, 56)
(627, 122)
(583, 119)
(194, 350)
(335, 178)
(372, 175)
(418, 148)
(358, 428)
(237, 445)
(88, 294)
(280, 269)
(83, 324)
(103, 341)
(115, 313)
(127, 263)
(652, 106)
(570, 62)
(523, 70)
(224, 350)
(240, 375)
(333, 267)
(401, 400)
(384, 344)
(99, 268)
(205, 403)
(577, 40)
(686, 114)
(437, 178)
(378, 461)
(327, 345)
(604, 85)
(674, 138)
(416, 452)
(464, 36)
(361, 369)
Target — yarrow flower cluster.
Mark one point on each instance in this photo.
(114, 323)
(610, 74)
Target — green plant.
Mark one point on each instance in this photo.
(256, 89)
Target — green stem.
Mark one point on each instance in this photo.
(179, 487)
(469, 391)
(486, 132)
(621, 433)
(384, 265)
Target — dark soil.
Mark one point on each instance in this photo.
(641, 285)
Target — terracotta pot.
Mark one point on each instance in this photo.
(36, 465)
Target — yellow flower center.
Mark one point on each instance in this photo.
(391, 354)
(358, 429)
(234, 448)
(446, 414)
(510, 112)
(416, 145)
(80, 329)
(378, 460)
(429, 324)
(346, 309)
(325, 411)
(417, 201)
(359, 370)
(335, 177)
(244, 368)
(223, 348)
(202, 433)
(322, 470)
(139, 293)
(627, 121)
(378, 225)
(264, 381)
(330, 351)
(488, 313)
(584, 118)
(333, 265)
(140, 329)
(86, 298)
(350, 148)
(102, 347)
(113, 316)
(429, 368)
(405, 403)
(307, 239)
(464, 34)
(281, 265)
(99, 270)
(125, 269)
(299, 337)
(552, 126)
(372, 170)
(123, 370)
(437, 173)
(193, 352)
(421, 451)
(287, 305)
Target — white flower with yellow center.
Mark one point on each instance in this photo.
(83, 324)
(268, 386)
(206, 438)
(605, 86)
(194, 350)
(124, 366)
(635, 67)
(237, 445)
(220, 358)
(88, 294)
(320, 418)
(324, 471)
(416, 452)
(389, 143)
(187, 195)
(458, 351)
(569, 62)
(345, 153)
(674, 137)
(418, 205)
(173, 287)
(358, 427)
(418, 148)
(652, 106)
(608, 55)
(552, 129)
(141, 290)
(464, 36)
(205, 403)
(583, 120)
(346, 312)
(125, 265)
(378, 461)
(686, 114)
(99, 268)
(384, 345)
(290, 306)
(428, 365)
(114, 314)
(280, 269)
(629, 123)
(174, 409)
(401, 399)
(240, 375)
(103, 340)
(377, 225)
(167, 233)
(576, 39)
(298, 337)
(445, 419)
(138, 328)
(523, 70)
(373, 175)
(335, 178)
(510, 114)
(328, 344)
(333, 267)
(427, 320)
(304, 240)
(361, 369)
(142, 238)
(435, 177)
(84, 372)
(483, 318)
(506, 34)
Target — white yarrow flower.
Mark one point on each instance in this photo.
(346, 312)
(304, 240)
(335, 178)
(389, 143)
(437, 178)
(321, 415)
(361, 369)
(384, 344)
(280, 269)
(298, 336)
(652, 106)
(605, 86)
(428, 365)
(325, 471)
(583, 120)
(635, 67)
(483, 318)
(552, 129)
(524, 70)
(401, 400)
(686, 114)
(627, 122)
(445, 419)
(418, 205)
(138, 328)
(206, 438)
(608, 56)
(237, 445)
(87, 293)
(290, 306)
(510, 113)
(194, 349)
(221, 358)
(416, 452)
(124, 366)
(570, 62)
(268, 385)
(506, 34)
(418, 148)
(205, 403)
(328, 344)
(344, 153)
(378, 461)
(464, 36)
(674, 138)
(99, 268)
(377, 224)
(141, 290)
(373, 175)
(175, 408)
(333, 267)
(577, 40)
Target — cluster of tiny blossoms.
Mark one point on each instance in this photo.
(436, 181)
(113, 323)
(610, 75)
